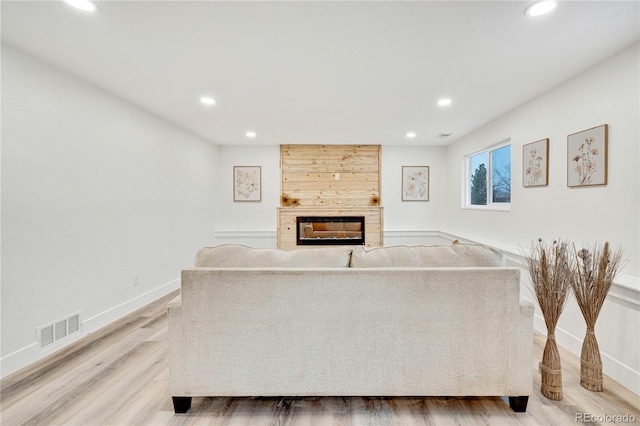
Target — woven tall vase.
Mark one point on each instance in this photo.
(591, 363)
(551, 370)
(550, 271)
(594, 273)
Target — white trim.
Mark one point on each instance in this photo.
(413, 237)
(110, 315)
(31, 353)
(623, 374)
(412, 234)
(493, 207)
(22, 358)
(245, 234)
(261, 239)
(625, 287)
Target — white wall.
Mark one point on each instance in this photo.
(608, 93)
(247, 215)
(412, 215)
(250, 223)
(94, 190)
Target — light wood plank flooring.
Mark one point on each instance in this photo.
(118, 376)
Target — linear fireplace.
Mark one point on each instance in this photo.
(330, 230)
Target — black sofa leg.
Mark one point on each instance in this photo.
(181, 404)
(518, 403)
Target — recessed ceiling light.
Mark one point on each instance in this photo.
(444, 102)
(540, 8)
(411, 135)
(251, 134)
(206, 100)
(84, 5)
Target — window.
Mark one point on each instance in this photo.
(488, 178)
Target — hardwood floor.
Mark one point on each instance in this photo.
(119, 376)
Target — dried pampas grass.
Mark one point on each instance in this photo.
(550, 268)
(595, 270)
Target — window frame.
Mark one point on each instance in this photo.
(467, 173)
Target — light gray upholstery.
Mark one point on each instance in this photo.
(282, 331)
(234, 255)
(456, 255)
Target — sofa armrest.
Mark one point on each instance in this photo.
(526, 308)
(175, 306)
(176, 347)
(525, 348)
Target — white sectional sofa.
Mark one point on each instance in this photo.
(388, 321)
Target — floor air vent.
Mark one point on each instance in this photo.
(52, 333)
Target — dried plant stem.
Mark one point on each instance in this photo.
(594, 273)
(550, 270)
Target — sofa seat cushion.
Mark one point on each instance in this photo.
(462, 255)
(240, 256)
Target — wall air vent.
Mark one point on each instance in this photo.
(51, 333)
(443, 135)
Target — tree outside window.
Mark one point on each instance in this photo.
(479, 186)
(489, 178)
(501, 174)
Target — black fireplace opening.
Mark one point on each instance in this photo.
(330, 230)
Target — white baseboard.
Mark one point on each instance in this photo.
(31, 353)
(613, 368)
(110, 315)
(625, 289)
(21, 358)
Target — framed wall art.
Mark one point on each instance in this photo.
(535, 164)
(587, 157)
(415, 183)
(247, 183)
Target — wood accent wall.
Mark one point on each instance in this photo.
(329, 180)
(330, 175)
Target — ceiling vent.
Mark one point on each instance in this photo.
(443, 135)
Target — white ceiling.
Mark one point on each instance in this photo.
(323, 72)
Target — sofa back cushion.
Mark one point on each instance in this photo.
(470, 255)
(240, 256)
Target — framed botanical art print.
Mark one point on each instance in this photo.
(415, 183)
(587, 157)
(535, 164)
(247, 183)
